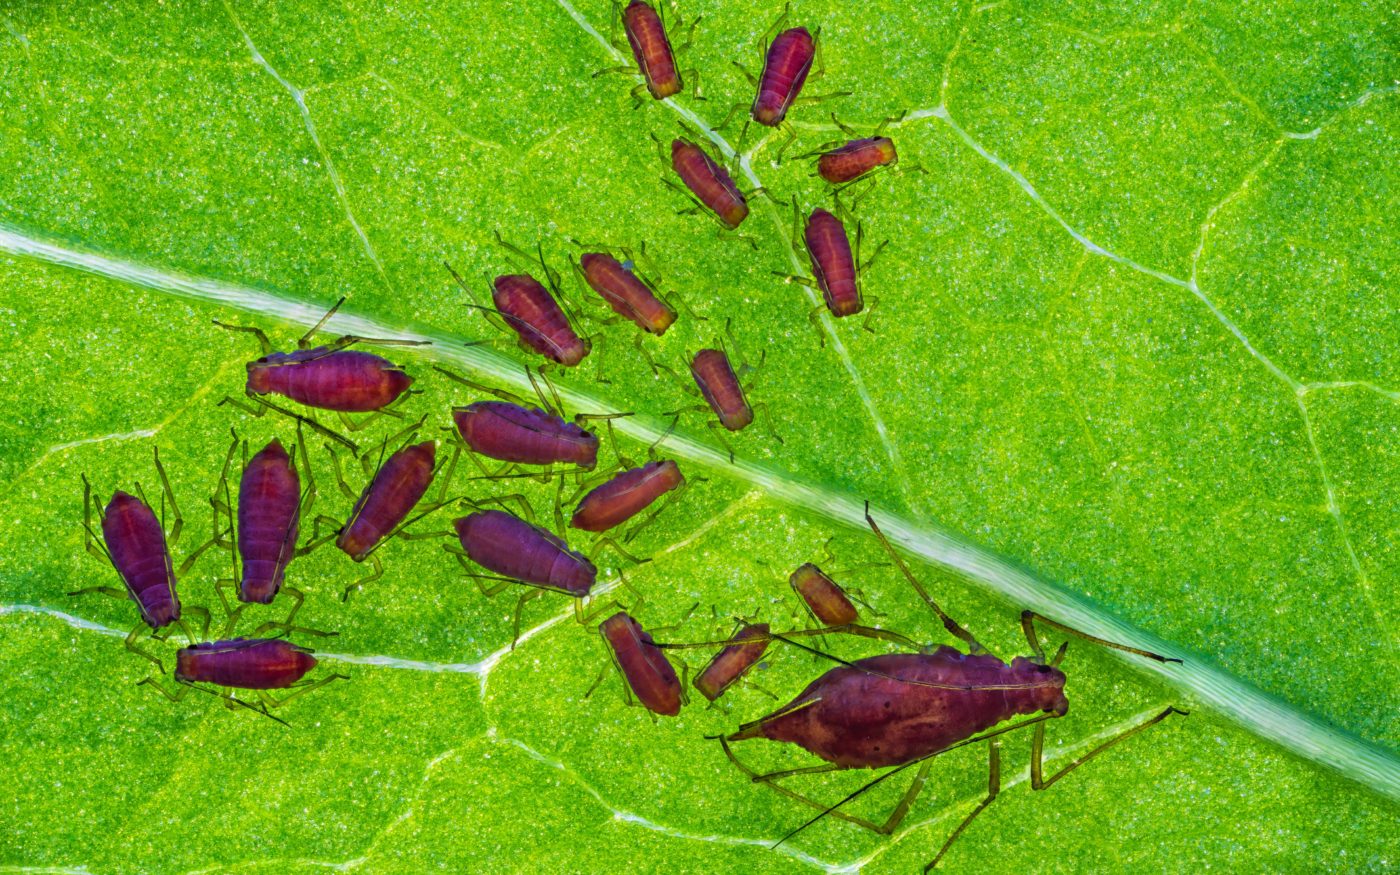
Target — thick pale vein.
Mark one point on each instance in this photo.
(1257, 711)
(730, 154)
(336, 182)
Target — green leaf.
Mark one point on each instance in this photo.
(1130, 367)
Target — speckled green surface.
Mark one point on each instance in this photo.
(1136, 334)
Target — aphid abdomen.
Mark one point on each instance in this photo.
(269, 501)
(388, 499)
(626, 293)
(881, 712)
(346, 380)
(829, 250)
(534, 315)
(513, 548)
(709, 182)
(652, 49)
(512, 433)
(626, 495)
(732, 662)
(720, 385)
(137, 546)
(827, 601)
(247, 663)
(855, 159)
(643, 664)
(785, 70)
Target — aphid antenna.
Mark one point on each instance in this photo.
(310, 423)
(232, 701)
(555, 409)
(311, 332)
(1027, 625)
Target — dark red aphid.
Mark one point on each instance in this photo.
(827, 601)
(388, 499)
(626, 495)
(626, 293)
(347, 380)
(512, 433)
(720, 385)
(643, 665)
(269, 511)
(650, 46)
(511, 547)
(136, 543)
(534, 315)
(246, 663)
(785, 71)
(732, 662)
(829, 250)
(855, 159)
(709, 182)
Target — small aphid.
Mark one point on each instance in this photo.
(136, 544)
(785, 69)
(626, 495)
(732, 662)
(855, 159)
(388, 499)
(245, 663)
(269, 514)
(509, 546)
(720, 385)
(709, 182)
(650, 46)
(533, 313)
(626, 293)
(826, 600)
(833, 267)
(642, 664)
(513, 433)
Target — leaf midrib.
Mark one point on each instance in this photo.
(1258, 712)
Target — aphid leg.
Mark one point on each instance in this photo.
(993, 788)
(1038, 779)
(1027, 618)
(268, 701)
(248, 329)
(788, 140)
(197, 611)
(514, 499)
(611, 544)
(973, 645)
(789, 793)
(763, 408)
(480, 387)
(167, 493)
(678, 304)
(317, 539)
(719, 430)
(287, 627)
(178, 696)
(529, 595)
(130, 644)
(265, 405)
(606, 71)
(103, 590)
(91, 542)
(767, 36)
(339, 475)
(738, 107)
(374, 575)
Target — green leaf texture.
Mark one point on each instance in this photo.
(1132, 365)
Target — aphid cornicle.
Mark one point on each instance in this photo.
(900, 710)
(509, 546)
(389, 498)
(833, 266)
(720, 385)
(826, 600)
(626, 495)
(538, 319)
(626, 293)
(855, 159)
(652, 50)
(785, 70)
(731, 663)
(513, 433)
(709, 182)
(643, 665)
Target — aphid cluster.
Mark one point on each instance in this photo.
(895, 711)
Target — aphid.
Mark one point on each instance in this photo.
(836, 269)
(785, 68)
(652, 49)
(900, 710)
(643, 665)
(329, 377)
(710, 184)
(626, 495)
(381, 510)
(855, 159)
(731, 663)
(134, 542)
(720, 385)
(258, 664)
(626, 292)
(826, 600)
(507, 545)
